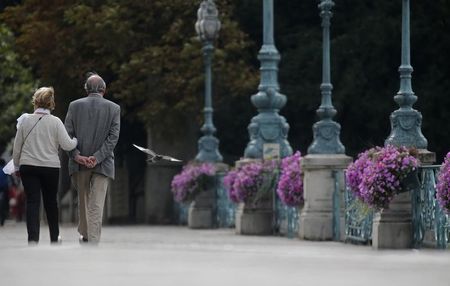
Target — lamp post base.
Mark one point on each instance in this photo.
(405, 129)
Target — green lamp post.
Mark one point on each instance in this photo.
(326, 131)
(207, 28)
(268, 127)
(406, 122)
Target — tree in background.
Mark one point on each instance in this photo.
(16, 87)
(146, 50)
(365, 51)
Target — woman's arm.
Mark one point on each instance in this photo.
(18, 144)
(64, 140)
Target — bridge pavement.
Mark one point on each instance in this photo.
(170, 255)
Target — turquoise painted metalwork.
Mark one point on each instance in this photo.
(442, 229)
(336, 207)
(181, 213)
(268, 126)
(406, 122)
(358, 229)
(428, 216)
(207, 27)
(225, 213)
(280, 214)
(293, 222)
(286, 219)
(326, 131)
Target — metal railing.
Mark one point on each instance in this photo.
(180, 213)
(286, 219)
(430, 222)
(225, 208)
(431, 225)
(337, 206)
(357, 225)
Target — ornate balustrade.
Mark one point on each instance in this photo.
(224, 211)
(180, 213)
(358, 227)
(225, 208)
(430, 222)
(286, 219)
(431, 225)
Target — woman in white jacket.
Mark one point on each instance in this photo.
(36, 145)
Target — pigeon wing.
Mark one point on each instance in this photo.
(168, 158)
(145, 150)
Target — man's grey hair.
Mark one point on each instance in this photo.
(94, 84)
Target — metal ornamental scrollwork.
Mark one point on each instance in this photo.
(428, 216)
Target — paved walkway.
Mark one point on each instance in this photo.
(159, 256)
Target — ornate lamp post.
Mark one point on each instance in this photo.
(326, 131)
(405, 131)
(406, 122)
(325, 156)
(207, 27)
(268, 126)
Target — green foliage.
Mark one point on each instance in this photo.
(16, 87)
(151, 59)
(146, 50)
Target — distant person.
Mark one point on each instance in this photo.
(4, 194)
(36, 154)
(95, 121)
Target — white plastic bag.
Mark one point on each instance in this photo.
(9, 169)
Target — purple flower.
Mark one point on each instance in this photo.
(244, 183)
(290, 184)
(193, 179)
(376, 175)
(443, 185)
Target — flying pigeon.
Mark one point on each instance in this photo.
(155, 157)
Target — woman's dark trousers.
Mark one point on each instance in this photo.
(36, 180)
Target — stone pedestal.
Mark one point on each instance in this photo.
(316, 218)
(202, 211)
(158, 199)
(392, 227)
(255, 220)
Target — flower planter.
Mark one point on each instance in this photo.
(410, 183)
(392, 227)
(201, 210)
(255, 219)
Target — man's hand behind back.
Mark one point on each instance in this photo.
(92, 162)
(89, 162)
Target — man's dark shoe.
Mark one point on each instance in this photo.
(83, 239)
(33, 242)
(57, 241)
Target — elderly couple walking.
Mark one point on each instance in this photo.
(89, 135)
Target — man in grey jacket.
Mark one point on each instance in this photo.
(95, 122)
